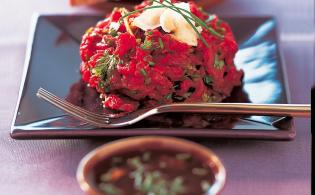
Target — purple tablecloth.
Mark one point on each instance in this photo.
(32, 167)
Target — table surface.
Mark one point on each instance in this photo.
(32, 167)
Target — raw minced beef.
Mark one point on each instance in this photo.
(143, 69)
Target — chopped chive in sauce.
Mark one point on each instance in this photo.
(135, 162)
(154, 173)
(205, 185)
(137, 177)
(183, 156)
(199, 171)
(106, 177)
(109, 189)
(177, 185)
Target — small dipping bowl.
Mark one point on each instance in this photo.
(87, 170)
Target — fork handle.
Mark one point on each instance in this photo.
(294, 110)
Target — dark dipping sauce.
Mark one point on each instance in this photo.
(153, 172)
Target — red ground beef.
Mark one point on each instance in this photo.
(152, 68)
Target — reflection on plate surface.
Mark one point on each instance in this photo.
(257, 56)
(54, 65)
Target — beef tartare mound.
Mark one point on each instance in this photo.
(162, 52)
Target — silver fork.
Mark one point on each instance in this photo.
(123, 119)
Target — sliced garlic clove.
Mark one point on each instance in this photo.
(149, 19)
(174, 22)
(186, 35)
(114, 25)
(167, 22)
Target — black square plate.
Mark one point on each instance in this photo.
(52, 62)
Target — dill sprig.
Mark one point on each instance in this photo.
(189, 18)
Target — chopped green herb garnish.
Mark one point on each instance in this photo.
(205, 185)
(113, 32)
(151, 63)
(186, 95)
(199, 171)
(155, 174)
(138, 179)
(152, 182)
(104, 66)
(216, 59)
(183, 156)
(161, 43)
(143, 72)
(212, 98)
(221, 63)
(207, 79)
(106, 177)
(177, 185)
(101, 85)
(211, 17)
(135, 162)
(195, 75)
(138, 41)
(168, 96)
(178, 98)
(176, 86)
(205, 97)
(109, 189)
(147, 183)
(146, 45)
(217, 62)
